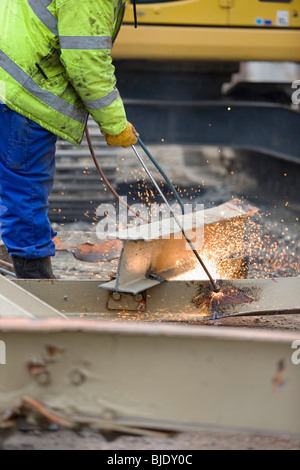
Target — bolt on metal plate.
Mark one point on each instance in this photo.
(126, 302)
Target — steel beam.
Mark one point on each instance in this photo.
(172, 301)
(116, 376)
(18, 302)
(154, 252)
(266, 128)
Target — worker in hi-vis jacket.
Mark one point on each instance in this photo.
(55, 70)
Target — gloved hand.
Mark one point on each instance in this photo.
(127, 138)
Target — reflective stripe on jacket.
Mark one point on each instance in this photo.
(56, 66)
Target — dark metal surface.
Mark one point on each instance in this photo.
(266, 128)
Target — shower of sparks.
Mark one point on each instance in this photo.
(198, 273)
(273, 250)
(268, 255)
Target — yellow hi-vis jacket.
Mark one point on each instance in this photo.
(56, 66)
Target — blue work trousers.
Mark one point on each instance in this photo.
(27, 168)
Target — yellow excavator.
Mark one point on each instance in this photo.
(213, 72)
(234, 30)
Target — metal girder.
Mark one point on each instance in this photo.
(172, 301)
(17, 302)
(128, 376)
(154, 252)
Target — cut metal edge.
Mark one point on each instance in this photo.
(102, 327)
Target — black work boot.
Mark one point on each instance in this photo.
(38, 268)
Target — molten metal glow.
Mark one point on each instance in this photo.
(269, 254)
(218, 295)
(198, 273)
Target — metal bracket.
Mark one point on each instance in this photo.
(152, 253)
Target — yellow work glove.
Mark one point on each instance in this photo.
(127, 138)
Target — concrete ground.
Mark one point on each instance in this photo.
(65, 440)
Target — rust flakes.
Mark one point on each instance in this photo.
(35, 368)
(53, 350)
(278, 381)
(59, 245)
(211, 303)
(104, 251)
(91, 253)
